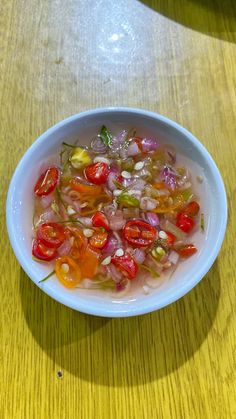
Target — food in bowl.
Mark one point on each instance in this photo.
(119, 210)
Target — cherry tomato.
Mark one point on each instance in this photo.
(170, 239)
(97, 173)
(51, 234)
(99, 239)
(47, 182)
(42, 252)
(139, 233)
(126, 264)
(187, 250)
(191, 209)
(100, 220)
(184, 222)
(67, 271)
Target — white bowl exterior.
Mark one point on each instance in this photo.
(20, 208)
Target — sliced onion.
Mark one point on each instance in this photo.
(118, 140)
(149, 144)
(117, 222)
(64, 249)
(173, 257)
(153, 219)
(111, 246)
(86, 221)
(168, 175)
(46, 200)
(133, 149)
(168, 226)
(110, 181)
(110, 210)
(139, 255)
(48, 215)
(114, 273)
(147, 203)
(98, 146)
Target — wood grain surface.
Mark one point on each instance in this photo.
(175, 57)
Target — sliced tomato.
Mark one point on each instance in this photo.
(187, 251)
(139, 233)
(51, 234)
(97, 173)
(184, 222)
(68, 271)
(47, 182)
(170, 239)
(126, 265)
(89, 190)
(89, 263)
(100, 220)
(42, 252)
(99, 239)
(191, 209)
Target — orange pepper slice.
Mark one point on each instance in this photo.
(89, 263)
(79, 245)
(160, 185)
(89, 190)
(67, 271)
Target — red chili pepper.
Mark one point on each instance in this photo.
(187, 251)
(100, 220)
(51, 234)
(139, 233)
(42, 252)
(126, 264)
(184, 222)
(191, 209)
(47, 182)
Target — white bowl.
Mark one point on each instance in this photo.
(83, 126)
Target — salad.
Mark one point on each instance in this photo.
(116, 212)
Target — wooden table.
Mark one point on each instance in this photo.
(175, 57)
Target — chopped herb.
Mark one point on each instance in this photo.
(118, 184)
(187, 194)
(154, 273)
(69, 145)
(202, 223)
(127, 200)
(105, 136)
(47, 277)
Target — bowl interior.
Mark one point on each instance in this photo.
(81, 128)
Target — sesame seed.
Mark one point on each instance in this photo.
(200, 179)
(106, 261)
(125, 175)
(139, 165)
(119, 252)
(162, 235)
(88, 232)
(70, 210)
(100, 159)
(65, 268)
(117, 192)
